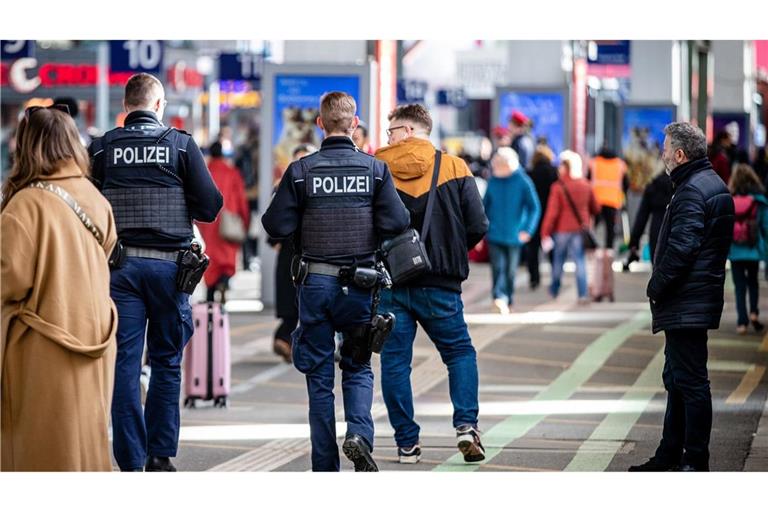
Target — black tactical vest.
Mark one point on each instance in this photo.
(337, 220)
(143, 182)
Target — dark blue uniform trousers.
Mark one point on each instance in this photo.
(323, 309)
(144, 291)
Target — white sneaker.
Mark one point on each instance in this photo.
(501, 306)
(468, 442)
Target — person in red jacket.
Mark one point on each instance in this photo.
(223, 254)
(561, 229)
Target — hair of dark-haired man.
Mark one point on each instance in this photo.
(216, 150)
(71, 104)
(414, 113)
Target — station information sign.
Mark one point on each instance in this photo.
(241, 66)
(136, 56)
(11, 49)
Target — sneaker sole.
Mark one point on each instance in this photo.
(471, 452)
(358, 458)
(409, 459)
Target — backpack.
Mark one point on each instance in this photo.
(745, 224)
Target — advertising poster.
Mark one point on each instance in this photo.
(545, 109)
(642, 141)
(736, 124)
(296, 107)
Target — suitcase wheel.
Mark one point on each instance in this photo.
(190, 402)
(221, 402)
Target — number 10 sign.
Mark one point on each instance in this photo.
(136, 56)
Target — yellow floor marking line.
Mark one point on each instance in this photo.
(747, 385)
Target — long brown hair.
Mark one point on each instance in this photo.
(44, 141)
(745, 181)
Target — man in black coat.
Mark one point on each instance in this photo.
(686, 293)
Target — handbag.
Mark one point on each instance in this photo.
(231, 228)
(587, 236)
(406, 255)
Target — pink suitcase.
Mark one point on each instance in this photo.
(206, 356)
(602, 280)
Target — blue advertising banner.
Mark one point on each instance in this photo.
(135, 56)
(736, 124)
(12, 49)
(545, 109)
(644, 126)
(642, 141)
(296, 107)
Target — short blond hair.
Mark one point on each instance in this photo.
(142, 89)
(337, 112)
(572, 161)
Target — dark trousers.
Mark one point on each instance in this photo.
(144, 291)
(324, 308)
(532, 250)
(745, 278)
(688, 418)
(607, 215)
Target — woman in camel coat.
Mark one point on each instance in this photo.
(58, 346)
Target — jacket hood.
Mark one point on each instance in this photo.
(408, 159)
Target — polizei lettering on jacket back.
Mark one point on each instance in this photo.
(326, 185)
(141, 155)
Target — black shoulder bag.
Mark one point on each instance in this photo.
(406, 255)
(587, 236)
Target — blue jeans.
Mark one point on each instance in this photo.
(440, 312)
(504, 262)
(569, 245)
(144, 292)
(324, 308)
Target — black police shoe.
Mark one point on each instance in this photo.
(691, 468)
(159, 464)
(356, 450)
(654, 464)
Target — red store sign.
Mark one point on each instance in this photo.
(24, 76)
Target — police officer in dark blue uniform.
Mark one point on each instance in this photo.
(156, 180)
(340, 203)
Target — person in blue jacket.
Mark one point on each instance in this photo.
(513, 211)
(749, 243)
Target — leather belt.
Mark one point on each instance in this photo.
(324, 269)
(155, 254)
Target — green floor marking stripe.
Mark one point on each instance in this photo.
(565, 385)
(597, 452)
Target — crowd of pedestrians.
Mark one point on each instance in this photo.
(74, 358)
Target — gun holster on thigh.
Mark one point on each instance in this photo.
(356, 343)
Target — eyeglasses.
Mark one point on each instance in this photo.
(390, 130)
(59, 106)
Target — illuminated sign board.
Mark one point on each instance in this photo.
(136, 56)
